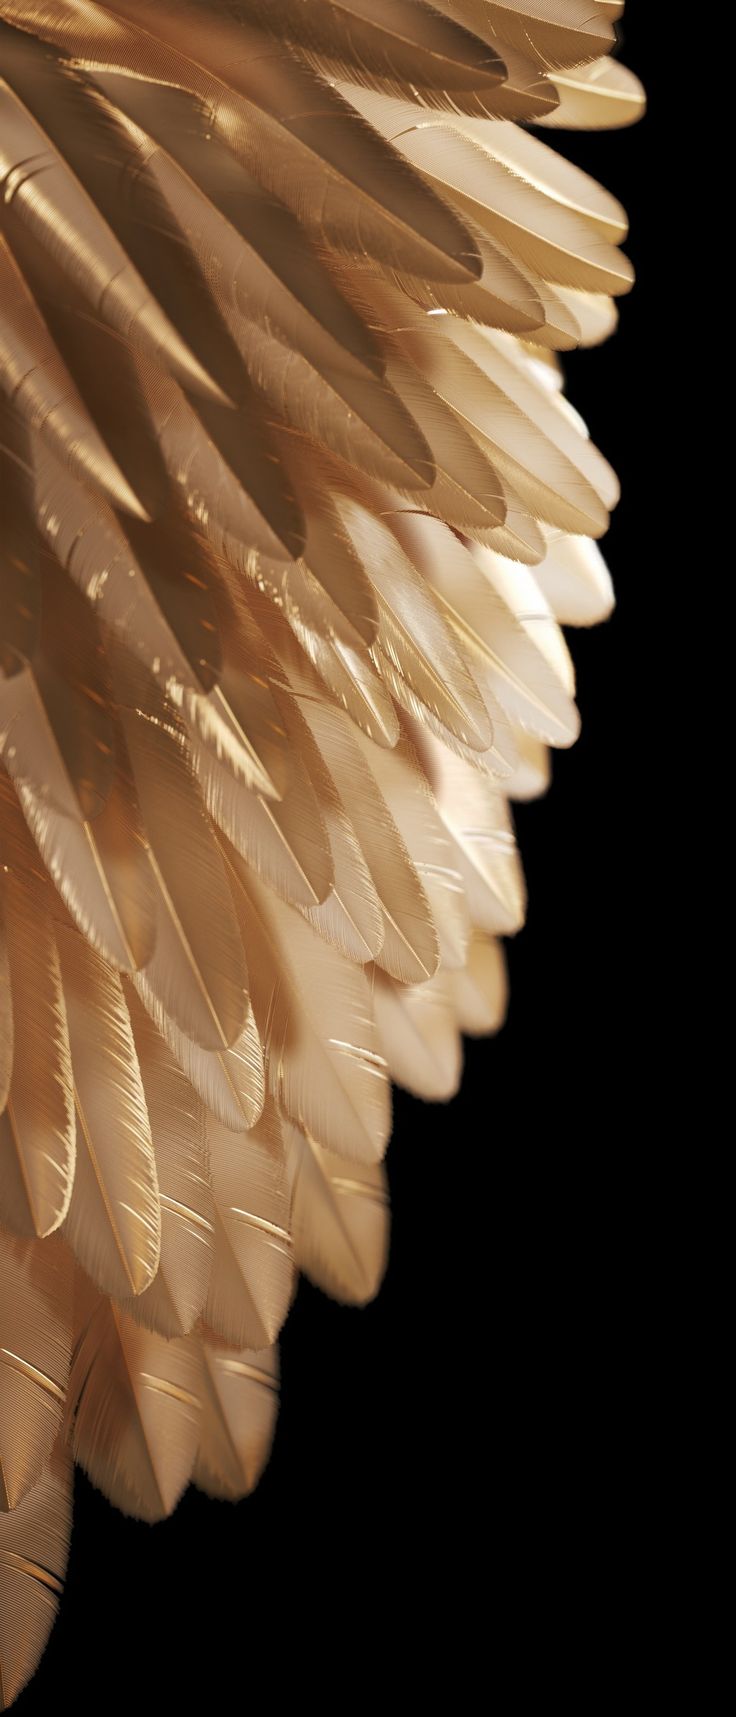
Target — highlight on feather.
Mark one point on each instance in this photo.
(292, 512)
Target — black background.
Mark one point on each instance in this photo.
(451, 1488)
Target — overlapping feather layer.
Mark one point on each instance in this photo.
(292, 511)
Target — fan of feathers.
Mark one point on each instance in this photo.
(292, 511)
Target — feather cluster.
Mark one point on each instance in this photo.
(292, 508)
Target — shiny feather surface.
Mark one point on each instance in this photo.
(35, 1350)
(34, 1546)
(113, 1223)
(133, 1408)
(240, 1404)
(251, 1280)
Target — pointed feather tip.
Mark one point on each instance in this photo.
(124, 498)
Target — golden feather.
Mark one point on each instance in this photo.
(292, 511)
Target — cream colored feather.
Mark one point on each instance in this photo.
(251, 1283)
(240, 1403)
(133, 1409)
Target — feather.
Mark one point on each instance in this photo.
(575, 580)
(134, 1409)
(285, 842)
(7, 1034)
(175, 1298)
(43, 392)
(414, 644)
(480, 992)
(88, 541)
(18, 855)
(48, 198)
(178, 570)
(34, 1545)
(37, 1132)
(331, 557)
(361, 419)
(597, 97)
(245, 689)
(72, 695)
(389, 42)
(352, 679)
(230, 1082)
(35, 1350)
(265, 272)
(20, 587)
(407, 795)
(533, 771)
(519, 589)
(313, 1011)
(310, 608)
(240, 1404)
(161, 439)
(540, 232)
(224, 489)
(504, 657)
(65, 753)
(6, 1037)
(526, 94)
(596, 316)
(554, 32)
(285, 124)
(519, 537)
(531, 388)
(467, 490)
(198, 970)
(476, 815)
(113, 1224)
(351, 917)
(107, 158)
(252, 1276)
(340, 1219)
(505, 296)
(409, 945)
(308, 146)
(419, 1034)
(557, 179)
